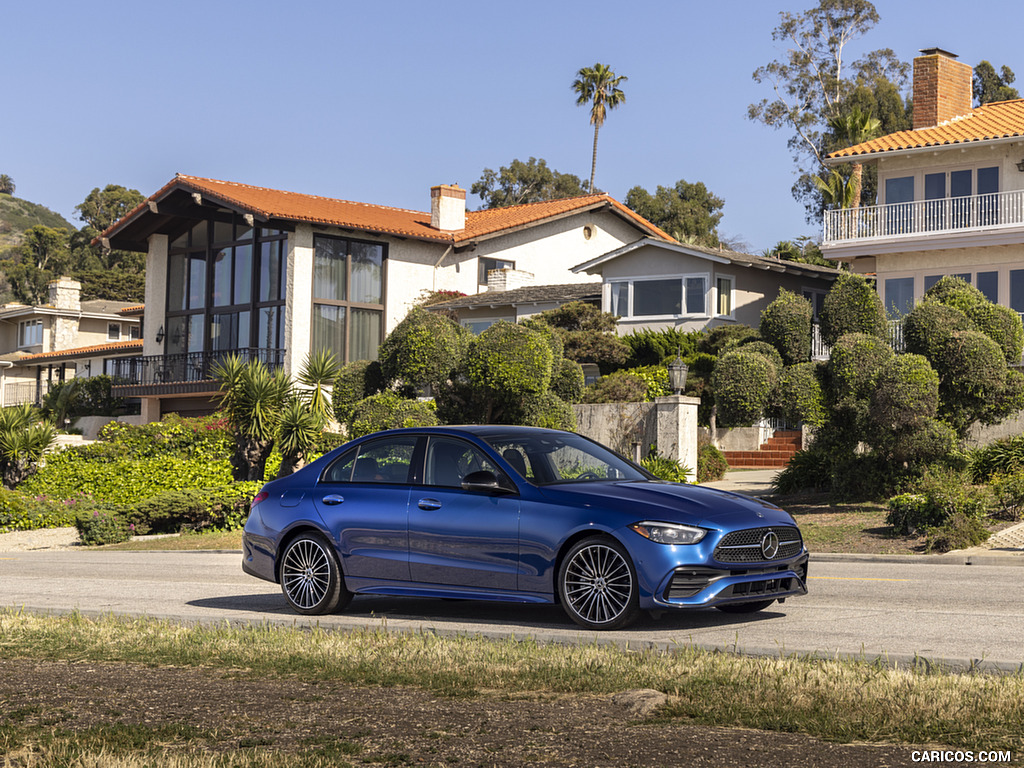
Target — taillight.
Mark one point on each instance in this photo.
(261, 496)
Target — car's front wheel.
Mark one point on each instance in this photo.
(760, 605)
(597, 584)
(311, 578)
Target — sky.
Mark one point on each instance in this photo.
(378, 101)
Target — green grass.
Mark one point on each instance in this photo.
(835, 700)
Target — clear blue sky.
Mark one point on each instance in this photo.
(378, 101)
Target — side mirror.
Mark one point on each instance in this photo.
(484, 481)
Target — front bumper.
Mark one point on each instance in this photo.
(700, 586)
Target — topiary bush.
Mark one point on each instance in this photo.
(389, 411)
(786, 325)
(723, 337)
(743, 383)
(852, 306)
(422, 350)
(354, 382)
(929, 324)
(856, 362)
(799, 397)
(509, 361)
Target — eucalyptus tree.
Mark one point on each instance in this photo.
(598, 87)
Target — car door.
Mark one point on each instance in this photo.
(363, 498)
(461, 537)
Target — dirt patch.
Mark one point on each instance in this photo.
(224, 712)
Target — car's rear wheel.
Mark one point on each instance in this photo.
(310, 576)
(597, 584)
(760, 605)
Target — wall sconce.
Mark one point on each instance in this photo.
(1020, 166)
(160, 335)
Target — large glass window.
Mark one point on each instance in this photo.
(988, 284)
(348, 297)
(657, 297)
(30, 333)
(225, 288)
(664, 297)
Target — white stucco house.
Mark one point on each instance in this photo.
(275, 275)
(950, 199)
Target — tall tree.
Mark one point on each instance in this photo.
(6, 184)
(813, 82)
(100, 209)
(529, 182)
(989, 85)
(598, 87)
(688, 212)
(852, 128)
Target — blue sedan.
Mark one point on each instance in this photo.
(516, 514)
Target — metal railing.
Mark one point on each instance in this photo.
(19, 392)
(185, 367)
(822, 351)
(950, 214)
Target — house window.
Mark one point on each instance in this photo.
(664, 297)
(988, 284)
(348, 297)
(225, 288)
(1017, 290)
(723, 295)
(30, 333)
(134, 332)
(113, 331)
(486, 265)
(899, 297)
(817, 299)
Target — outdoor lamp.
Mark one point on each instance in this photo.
(160, 335)
(677, 375)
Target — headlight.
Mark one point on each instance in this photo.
(669, 533)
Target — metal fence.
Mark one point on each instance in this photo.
(186, 367)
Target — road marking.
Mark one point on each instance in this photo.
(853, 578)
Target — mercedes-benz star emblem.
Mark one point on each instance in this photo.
(770, 545)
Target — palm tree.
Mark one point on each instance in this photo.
(598, 86)
(6, 184)
(850, 129)
(837, 191)
(23, 440)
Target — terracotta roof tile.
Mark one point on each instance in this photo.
(120, 347)
(294, 206)
(998, 120)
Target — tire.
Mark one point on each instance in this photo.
(597, 584)
(760, 605)
(311, 578)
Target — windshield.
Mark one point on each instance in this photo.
(547, 458)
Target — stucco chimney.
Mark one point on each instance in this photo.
(65, 293)
(942, 88)
(448, 207)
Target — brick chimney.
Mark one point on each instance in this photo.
(448, 207)
(942, 88)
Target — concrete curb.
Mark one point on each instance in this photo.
(949, 558)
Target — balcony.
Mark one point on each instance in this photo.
(185, 373)
(925, 219)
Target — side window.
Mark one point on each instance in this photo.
(449, 460)
(382, 461)
(516, 455)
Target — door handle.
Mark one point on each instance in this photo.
(333, 499)
(429, 504)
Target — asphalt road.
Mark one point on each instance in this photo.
(957, 614)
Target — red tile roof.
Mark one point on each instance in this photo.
(294, 206)
(113, 347)
(998, 120)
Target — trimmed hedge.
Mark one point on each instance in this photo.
(852, 306)
(786, 325)
(743, 383)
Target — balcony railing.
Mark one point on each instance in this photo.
(925, 217)
(185, 367)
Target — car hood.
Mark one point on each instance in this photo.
(672, 502)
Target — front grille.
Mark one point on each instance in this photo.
(760, 588)
(745, 546)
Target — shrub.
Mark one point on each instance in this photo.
(619, 387)
(771, 354)
(929, 324)
(656, 379)
(1008, 494)
(100, 527)
(959, 532)
(799, 396)
(807, 470)
(786, 325)
(856, 362)
(545, 410)
(509, 361)
(723, 337)
(220, 508)
(1003, 457)
(19, 512)
(909, 512)
(664, 468)
(944, 492)
(389, 411)
(852, 306)
(567, 380)
(743, 383)
(206, 437)
(972, 370)
(356, 381)
(650, 347)
(422, 350)
(123, 480)
(711, 464)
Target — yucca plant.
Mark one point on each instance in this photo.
(23, 440)
(317, 376)
(300, 431)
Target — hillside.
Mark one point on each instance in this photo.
(17, 215)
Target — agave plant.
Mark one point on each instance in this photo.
(300, 431)
(317, 376)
